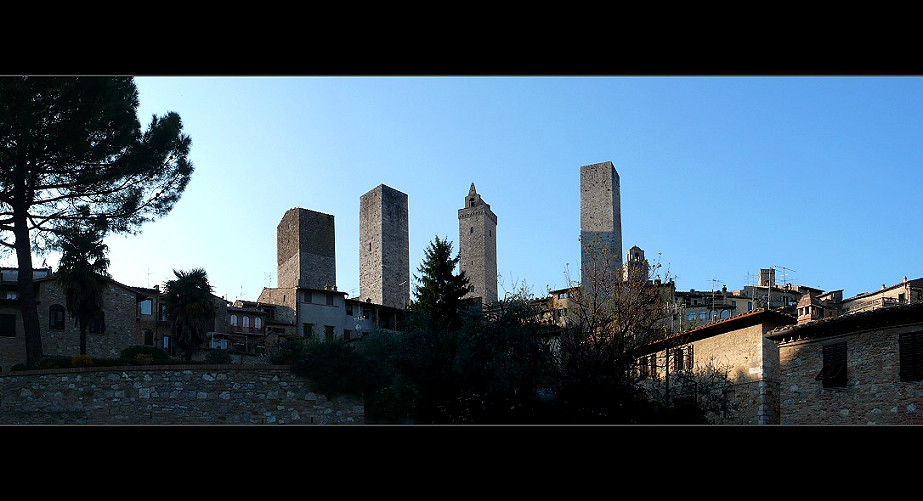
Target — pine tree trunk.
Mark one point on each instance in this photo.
(27, 302)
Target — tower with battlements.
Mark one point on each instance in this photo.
(384, 247)
(477, 247)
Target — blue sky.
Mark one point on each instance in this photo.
(720, 176)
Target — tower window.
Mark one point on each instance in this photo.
(471, 230)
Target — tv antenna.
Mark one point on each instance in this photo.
(784, 274)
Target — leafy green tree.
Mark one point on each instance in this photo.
(82, 273)
(72, 148)
(190, 308)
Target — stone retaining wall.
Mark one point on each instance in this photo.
(169, 395)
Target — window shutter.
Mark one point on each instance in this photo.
(911, 356)
(834, 372)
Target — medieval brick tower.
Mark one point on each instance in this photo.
(600, 223)
(384, 247)
(477, 247)
(305, 249)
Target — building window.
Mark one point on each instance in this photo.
(306, 297)
(471, 230)
(257, 322)
(562, 295)
(347, 334)
(725, 314)
(233, 320)
(734, 303)
(307, 330)
(145, 307)
(246, 322)
(148, 338)
(7, 325)
(749, 305)
(163, 312)
(166, 343)
(349, 309)
(329, 299)
(56, 317)
(98, 325)
(682, 359)
(833, 373)
(911, 356)
(328, 333)
(12, 294)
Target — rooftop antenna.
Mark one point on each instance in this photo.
(784, 274)
(713, 282)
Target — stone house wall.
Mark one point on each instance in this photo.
(874, 393)
(169, 395)
(123, 326)
(741, 353)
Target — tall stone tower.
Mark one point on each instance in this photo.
(384, 247)
(306, 250)
(477, 246)
(600, 223)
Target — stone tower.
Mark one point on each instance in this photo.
(600, 223)
(384, 247)
(636, 266)
(477, 247)
(305, 250)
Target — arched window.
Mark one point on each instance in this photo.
(258, 322)
(234, 320)
(725, 314)
(56, 317)
(246, 320)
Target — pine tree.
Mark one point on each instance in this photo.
(72, 148)
(440, 291)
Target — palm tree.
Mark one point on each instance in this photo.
(190, 308)
(82, 274)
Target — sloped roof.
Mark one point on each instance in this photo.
(853, 322)
(738, 322)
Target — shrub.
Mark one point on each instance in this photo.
(144, 359)
(157, 354)
(81, 361)
(217, 357)
(18, 367)
(53, 362)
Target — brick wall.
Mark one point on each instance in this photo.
(180, 394)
